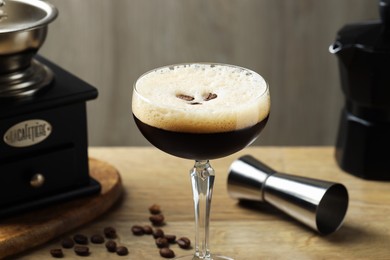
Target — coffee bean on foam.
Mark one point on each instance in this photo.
(201, 98)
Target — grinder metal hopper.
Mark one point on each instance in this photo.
(23, 29)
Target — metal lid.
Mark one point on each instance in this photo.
(370, 36)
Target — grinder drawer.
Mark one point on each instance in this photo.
(37, 176)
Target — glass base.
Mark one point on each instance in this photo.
(213, 257)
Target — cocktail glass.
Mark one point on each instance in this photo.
(201, 111)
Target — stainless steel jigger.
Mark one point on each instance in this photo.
(321, 205)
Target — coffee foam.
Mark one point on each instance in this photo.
(242, 98)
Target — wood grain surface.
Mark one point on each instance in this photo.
(24, 231)
(245, 233)
(111, 43)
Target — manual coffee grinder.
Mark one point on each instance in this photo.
(43, 122)
(363, 51)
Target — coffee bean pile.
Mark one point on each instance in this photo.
(162, 240)
(79, 243)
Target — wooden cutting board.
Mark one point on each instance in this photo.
(38, 227)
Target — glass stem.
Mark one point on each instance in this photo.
(202, 180)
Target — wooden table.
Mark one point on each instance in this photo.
(151, 176)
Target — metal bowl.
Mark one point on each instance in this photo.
(23, 29)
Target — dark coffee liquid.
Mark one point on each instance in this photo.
(200, 146)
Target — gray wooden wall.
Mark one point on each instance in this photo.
(110, 43)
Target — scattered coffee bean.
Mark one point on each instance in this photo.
(81, 250)
(158, 233)
(155, 209)
(167, 253)
(122, 250)
(97, 239)
(109, 232)
(162, 242)
(57, 253)
(137, 230)
(148, 230)
(67, 242)
(171, 238)
(80, 239)
(185, 97)
(157, 220)
(209, 96)
(111, 246)
(184, 242)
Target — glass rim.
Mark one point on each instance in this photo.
(266, 89)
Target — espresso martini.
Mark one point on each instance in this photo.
(201, 111)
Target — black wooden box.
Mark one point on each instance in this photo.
(44, 145)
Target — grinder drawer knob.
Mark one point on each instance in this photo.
(37, 180)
